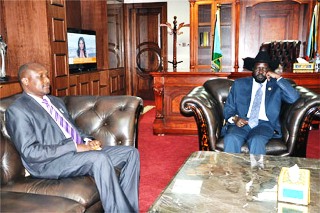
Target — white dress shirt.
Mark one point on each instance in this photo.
(39, 100)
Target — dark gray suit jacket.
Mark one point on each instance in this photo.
(35, 134)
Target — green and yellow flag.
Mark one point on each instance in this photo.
(216, 50)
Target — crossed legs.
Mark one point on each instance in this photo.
(117, 194)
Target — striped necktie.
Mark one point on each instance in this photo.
(62, 122)
(254, 115)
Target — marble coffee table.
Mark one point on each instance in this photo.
(224, 182)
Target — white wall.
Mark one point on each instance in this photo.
(179, 8)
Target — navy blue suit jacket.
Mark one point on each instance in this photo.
(239, 98)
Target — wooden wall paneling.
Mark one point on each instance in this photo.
(84, 84)
(73, 85)
(88, 83)
(94, 17)
(8, 89)
(27, 34)
(117, 84)
(122, 82)
(104, 82)
(115, 35)
(267, 22)
(73, 13)
(61, 86)
(57, 28)
(95, 83)
(263, 21)
(60, 63)
(114, 86)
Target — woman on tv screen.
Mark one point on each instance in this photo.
(81, 52)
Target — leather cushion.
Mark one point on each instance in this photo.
(32, 202)
(11, 165)
(79, 189)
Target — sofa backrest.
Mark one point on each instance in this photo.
(111, 119)
(11, 164)
(219, 88)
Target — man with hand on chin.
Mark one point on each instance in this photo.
(253, 107)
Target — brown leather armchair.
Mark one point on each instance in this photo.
(206, 104)
(111, 119)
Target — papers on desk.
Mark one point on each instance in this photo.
(187, 186)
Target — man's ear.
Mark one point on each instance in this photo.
(25, 81)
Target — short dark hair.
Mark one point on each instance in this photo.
(25, 67)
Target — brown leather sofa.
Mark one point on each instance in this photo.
(206, 104)
(111, 119)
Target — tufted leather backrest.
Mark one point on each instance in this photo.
(111, 119)
(219, 89)
(284, 51)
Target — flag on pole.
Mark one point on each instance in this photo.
(312, 40)
(216, 50)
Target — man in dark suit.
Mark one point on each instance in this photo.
(240, 113)
(50, 151)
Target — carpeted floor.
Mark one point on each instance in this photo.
(159, 159)
(162, 156)
(313, 148)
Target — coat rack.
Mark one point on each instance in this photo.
(175, 31)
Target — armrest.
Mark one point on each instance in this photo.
(111, 119)
(298, 120)
(207, 113)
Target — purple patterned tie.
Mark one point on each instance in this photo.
(62, 122)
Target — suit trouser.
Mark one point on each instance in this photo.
(256, 138)
(116, 194)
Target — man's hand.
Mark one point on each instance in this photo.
(271, 74)
(94, 144)
(90, 145)
(240, 122)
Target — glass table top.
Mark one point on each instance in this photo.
(226, 182)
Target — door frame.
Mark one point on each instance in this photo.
(130, 11)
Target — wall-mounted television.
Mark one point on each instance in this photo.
(82, 50)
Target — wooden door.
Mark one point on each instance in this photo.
(146, 45)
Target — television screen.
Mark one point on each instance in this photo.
(81, 50)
